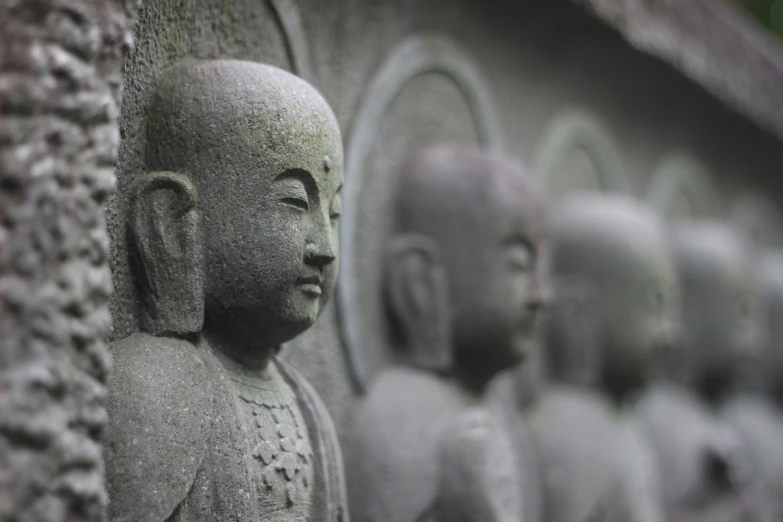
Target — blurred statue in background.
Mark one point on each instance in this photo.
(754, 410)
(516, 392)
(614, 307)
(233, 241)
(704, 475)
(463, 294)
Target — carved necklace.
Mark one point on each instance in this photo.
(281, 445)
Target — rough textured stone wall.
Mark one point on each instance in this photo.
(60, 82)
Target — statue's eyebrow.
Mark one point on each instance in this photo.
(303, 176)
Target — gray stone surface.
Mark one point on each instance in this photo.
(613, 309)
(611, 263)
(232, 240)
(531, 60)
(535, 60)
(705, 39)
(754, 410)
(704, 468)
(60, 84)
(574, 433)
(463, 292)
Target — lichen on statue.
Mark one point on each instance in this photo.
(232, 238)
(463, 293)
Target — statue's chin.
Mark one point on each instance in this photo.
(296, 325)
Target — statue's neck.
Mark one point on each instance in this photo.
(714, 388)
(247, 354)
(620, 398)
(714, 395)
(622, 392)
(472, 382)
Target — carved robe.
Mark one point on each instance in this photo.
(191, 441)
(574, 433)
(698, 458)
(759, 427)
(394, 453)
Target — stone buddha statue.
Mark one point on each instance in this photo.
(613, 308)
(753, 411)
(463, 293)
(232, 234)
(700, 462)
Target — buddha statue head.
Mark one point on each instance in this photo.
(464, 265)
(770, 367)
(722, 309)
(615, 294)
(233, 228)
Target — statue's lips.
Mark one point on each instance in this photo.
(310, 285)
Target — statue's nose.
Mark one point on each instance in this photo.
(668, 338)
(319, 256)
(540, 293)
(751, 344)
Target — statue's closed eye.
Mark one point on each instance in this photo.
(291, 192)
(519, 257)
(296, 202)
(337, 207)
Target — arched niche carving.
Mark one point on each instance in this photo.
(681, 189)
(759, 218)
(411, 59)
(578, 154)
(290, 19)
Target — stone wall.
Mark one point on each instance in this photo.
(60, 83)
(542, 81)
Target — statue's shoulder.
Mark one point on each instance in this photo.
(312, 406)
(405, 408)
(759, 426)
(159, 405)
(331, 502)
(561, 406)
(576, 435)
(410, 390)
(394, 441)
(665, 405)
(745, 407)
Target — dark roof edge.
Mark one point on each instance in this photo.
(711, 42)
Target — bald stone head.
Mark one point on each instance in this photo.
(245, 167)
(615, 288)
(470, 230)
(722, 309)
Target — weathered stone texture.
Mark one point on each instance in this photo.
(705, 39)
(60, 82)
(438, 61)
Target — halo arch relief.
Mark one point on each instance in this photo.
(290, 19)
(681, 188)
(758, 217)
(578, 154)
(410, 59)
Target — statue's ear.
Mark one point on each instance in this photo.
(166, 254)
(574, 350)
(417, 297)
